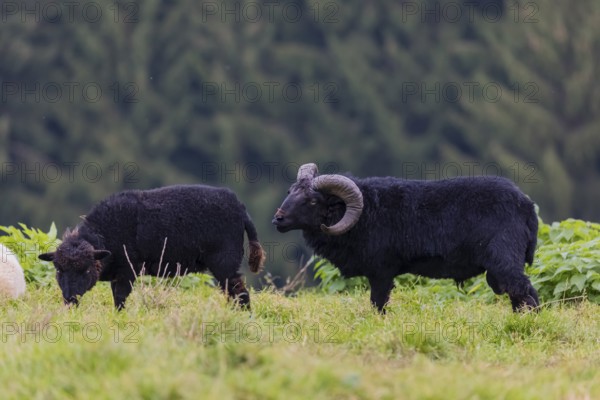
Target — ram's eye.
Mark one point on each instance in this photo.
(313, 202)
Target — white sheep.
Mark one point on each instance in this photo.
(12, 279)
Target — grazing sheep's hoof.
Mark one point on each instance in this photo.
(243, 301)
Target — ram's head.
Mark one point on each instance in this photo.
(313, 201)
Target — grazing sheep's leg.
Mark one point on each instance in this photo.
(380, 292)
(121, 288)
(234, 287)
(224, 265)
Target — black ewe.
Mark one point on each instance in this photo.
(204, 227)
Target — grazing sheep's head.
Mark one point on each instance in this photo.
(77, 266)
(311, 198)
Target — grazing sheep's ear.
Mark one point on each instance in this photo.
(70, 233)
(47, 256)
(100, 254)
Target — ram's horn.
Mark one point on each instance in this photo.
(307, 171)
(345, 189)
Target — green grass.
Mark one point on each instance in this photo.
(171, 343)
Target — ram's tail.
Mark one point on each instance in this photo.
(532, 224)
(256, 256)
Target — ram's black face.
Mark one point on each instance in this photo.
(303, 208)
(314, 201)
(77, 266)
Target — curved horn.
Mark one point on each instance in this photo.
(307, 171)
(345, 189)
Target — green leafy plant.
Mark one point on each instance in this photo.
(27, 243)
(331, 281)
(567, 263)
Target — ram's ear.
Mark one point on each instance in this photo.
(47, 256)
(100, 254)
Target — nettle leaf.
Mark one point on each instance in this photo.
(337, 286)
(561, 288)
(52, 232)
(594, 298)
(560, 270)
(555, 236)
(591, 267)
(578, 281)
(592, 275)
(568, 234)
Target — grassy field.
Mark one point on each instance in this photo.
(172, 343)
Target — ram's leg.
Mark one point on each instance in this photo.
(522, 294)
(380, 292)
(493, 283)
(504, 260)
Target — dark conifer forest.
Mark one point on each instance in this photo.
(101, 96)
